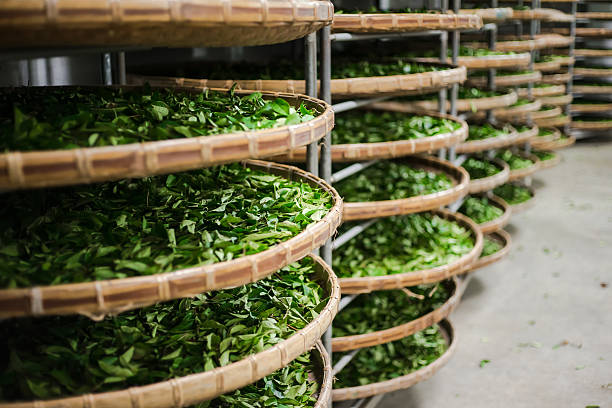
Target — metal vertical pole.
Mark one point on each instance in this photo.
(455, 88)
(492, 71)
(107, 69)
(121, 68)
(570, 69)
(312, 162)
(442, 95)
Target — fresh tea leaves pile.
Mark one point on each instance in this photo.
(392, 360)
(286, 388)
(378, 126)
(62, 356)
(513, 193)
(388, 308)
(402, 244)
(489, 246)
(480, 168)
(515, 161)
(391, 180)
(64, 118)
(485, 131)
(149, 226)
(480, 209)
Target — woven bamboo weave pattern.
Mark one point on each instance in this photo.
(403, 22)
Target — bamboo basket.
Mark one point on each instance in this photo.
(546, 139)
(565, 60)
(343, 153)
(401, 280)
(517, 208)
(348, 343)
(192, 389)
(489, 183)
(323, 375)
(591, 125)
(46, 168)
(593, 89)
(538, 92)
(463, 105)
(514, 46)
(595, 15)
(588, 108)
(503, 238)
(547, 66)
(403, 22)
(406, 381)
(376, 209)
(499, 222)
(506, 80)
(591, 32)
(556, 79)
(528, 171)
(546, 114)
(409, 84)
(555, 40)
(491, 15)
(527, 135)
(488, 61)
(521, 110)
(474, 146)
(561, 143)
(593, 72)
(543, 14)
(592, 53)
(158, 23)
(556, 121)
(547, 164)
(560, 100)
(116, 295)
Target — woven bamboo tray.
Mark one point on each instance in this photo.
(463, 105)
(546, 139)
(595, 15)
(593, 72)
(195, 388)
(437, 274)
(546, 114)
(538, 92)
(343, 153)
(560, 100)
(354, 342)
(409, 84)
(556, 121)
(488, 61)
(555, 40)
(593, 89)
(547, 164)
(323, 375)
(514, 46)
(406, 381)
(403, 22)
(517, 208)
(513, 111)
(376, 209)
(158, 23)
(506, 80)
(503, 238)
(527, 135)
(547, 66)
(591, 125)
(556, 79)
(490, 15)
(19, 170)
(589, 108)
(489, 183)
(116, 295)
(592, 53)
(565, 60)
(528, 171)
(560, 143)
(474, 146)
(499, 222)
(591, 32)
(543, 14)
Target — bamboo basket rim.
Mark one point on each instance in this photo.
(116, 295)
(499, 222)
(391, 85)
(324, 378)
(515, 45)
(591, 125)
(357, 341)
(547, 164)
(462, 105)
(474, 146)
(183, 23)
(586, 107)
(593, 72)
(588, 32)
(518, 110)
(547, 66)
(506, 80)
(189, 390)
(488, 183)
(566, 60)
(488, 61)
(559, 100)
(552, 90)
(594, 15)
(406, 381)
(560, 120)
(556, 78)
(83, 165)
(548, 138)
(527, 135)
(346, 153)
(543, 14)
(400, 280)
(403, 22)
(494, 14)
(385, 208)
(545, 114)
(518, 208)
(592, 52)
(593, 89)
(506, 239)
(527, 171)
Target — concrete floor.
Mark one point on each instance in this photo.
(543, 315)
